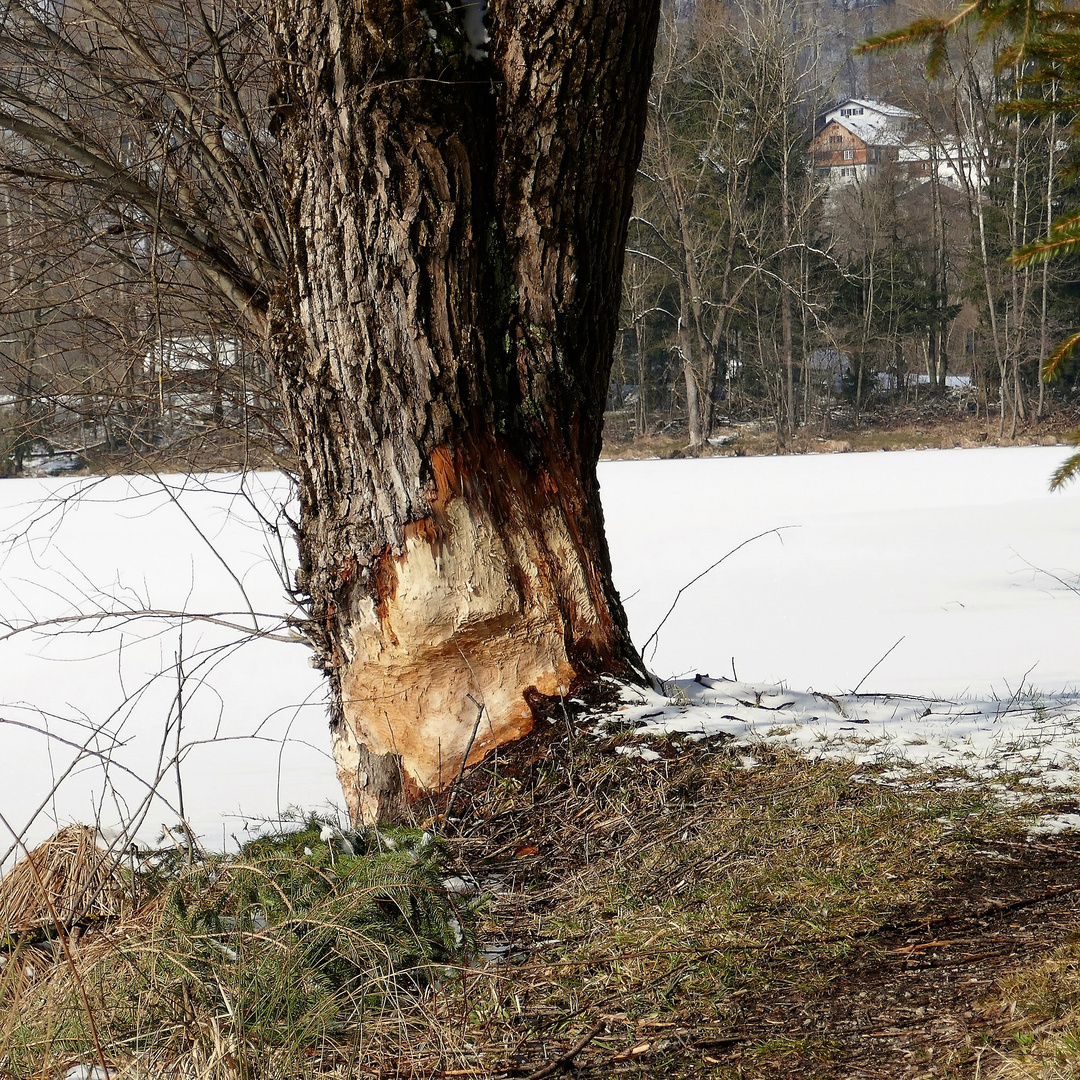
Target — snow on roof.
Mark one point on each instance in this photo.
(874, 130)
(876, 122)
(877, 106)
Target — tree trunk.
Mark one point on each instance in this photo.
(641, 421)
(458, 223)
(785, 294)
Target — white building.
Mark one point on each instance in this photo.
(858, 136)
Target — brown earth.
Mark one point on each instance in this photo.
(904, 988)
(902, 429)
(913, 1001)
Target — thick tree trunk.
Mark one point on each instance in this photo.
(458, 224)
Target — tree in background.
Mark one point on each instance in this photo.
(421, 216)
(1038, 59)
(131, 325)
(723, 201)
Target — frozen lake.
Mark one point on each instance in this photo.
(962, 556)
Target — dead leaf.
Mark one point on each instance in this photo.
(634, 1051)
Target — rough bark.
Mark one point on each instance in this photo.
(444, 346)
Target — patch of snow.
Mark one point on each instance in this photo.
(455, 926)
(459, 886)
(52, 464)
(1024, 740)
(83, 1071)
(87, 707)
(472, 21)
(645, 753)
(1052, 824)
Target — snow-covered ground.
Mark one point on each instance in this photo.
(104, 694)
(1030, 740)
(944, 575)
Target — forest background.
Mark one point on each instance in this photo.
(768, 304)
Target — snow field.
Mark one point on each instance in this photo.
(950, 576)
(964, 554)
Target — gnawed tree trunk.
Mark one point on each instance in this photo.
(444, 348)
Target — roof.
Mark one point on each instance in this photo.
(880, 124)
(882, 107)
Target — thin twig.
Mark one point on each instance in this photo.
(465, 757)
(693, 581)
(877, 665)
(151, 613)
(564, 1059)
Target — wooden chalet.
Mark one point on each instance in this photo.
(856, 137)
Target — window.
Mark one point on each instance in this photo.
(836, 139)
(849, 155)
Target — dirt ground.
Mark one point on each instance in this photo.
(909, 429)
(695, 963)
(912, 1000)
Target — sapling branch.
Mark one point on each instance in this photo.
(652, 639)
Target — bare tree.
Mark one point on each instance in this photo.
(726, 186)
(116, 121)
(996, 156)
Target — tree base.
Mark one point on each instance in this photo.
(483, 611)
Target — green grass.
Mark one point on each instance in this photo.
(256, 959)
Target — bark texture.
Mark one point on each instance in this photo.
(458, 223)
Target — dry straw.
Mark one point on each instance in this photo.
(79, 878)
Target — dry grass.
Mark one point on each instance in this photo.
(1040, 1004)
(661, 899)
(72, 877)
(243, 966)
(664, 918)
